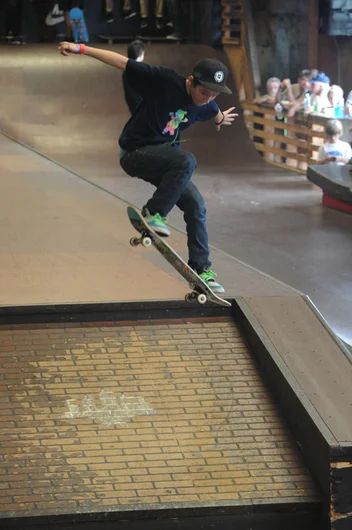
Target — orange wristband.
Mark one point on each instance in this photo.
(82, 49)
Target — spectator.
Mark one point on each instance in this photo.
(145, 27)
(289, 93)
(335, 96)
(272, 87)
(175, 19)
(319, 92)
(127, 10)
(135, 51)
(314, 72)
(108, 12)
(66, 6)
(348, 104)
(336, 102)
(334, 150)
(291, 96)
(318, 95)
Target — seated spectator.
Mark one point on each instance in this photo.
(268, 99)
(348, 105)
(272, 86)
(335, 96)
(288, 93)
(334, 150)
(135, 51)
(318, 96)
(336, 102)
(314, 72)
(319, 92)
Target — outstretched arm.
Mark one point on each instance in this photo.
(224, 118)
(113, 59)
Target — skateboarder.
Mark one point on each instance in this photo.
(150, 141)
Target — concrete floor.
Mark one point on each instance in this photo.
(72, 110)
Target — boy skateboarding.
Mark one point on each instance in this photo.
(150, 141)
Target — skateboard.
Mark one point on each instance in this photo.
(116, 38)
(146, 38)
(200, 290)
(79, 28)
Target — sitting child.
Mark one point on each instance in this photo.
(335, 98)
(272, 86)
(334, 150)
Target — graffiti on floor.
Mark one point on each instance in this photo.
(107, 408)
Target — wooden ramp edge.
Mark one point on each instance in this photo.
(310, 372)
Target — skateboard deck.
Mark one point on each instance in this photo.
(116, 38)
(79, 28)
(200, 290)
(146, 38)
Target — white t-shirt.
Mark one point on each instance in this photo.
(339, 148)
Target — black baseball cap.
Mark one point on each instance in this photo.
(212, 74)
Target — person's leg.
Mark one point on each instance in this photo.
(192, 204)
(167, 167)
(68, 24)
(159, 8)
(144, 8)
(109, 11)
(173, 8)
(170, 170)
(144, 13)
(127, 9)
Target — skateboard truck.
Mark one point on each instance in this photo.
(195, 295)
(144, 240)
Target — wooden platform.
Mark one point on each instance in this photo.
(311, 373)
(335, 181)
(146, 420)
(306, 367)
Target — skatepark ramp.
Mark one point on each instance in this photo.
(102, 391)
(72, 110)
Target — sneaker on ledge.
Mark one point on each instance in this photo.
(128, 13)
(108, 17)
(174, 36)
(208, 277)
(144, 29)
(157, 222)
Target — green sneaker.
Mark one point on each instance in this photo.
(209, 278)
(157, 222)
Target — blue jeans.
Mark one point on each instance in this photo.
(170, 170)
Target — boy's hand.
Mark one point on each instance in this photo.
(229, 117)
(285, 83)
(66, 48)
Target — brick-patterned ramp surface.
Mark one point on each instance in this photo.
(109, 417)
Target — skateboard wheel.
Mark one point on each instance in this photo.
(146, 241)
(189, 297)
(134, 241)
(201, 299)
